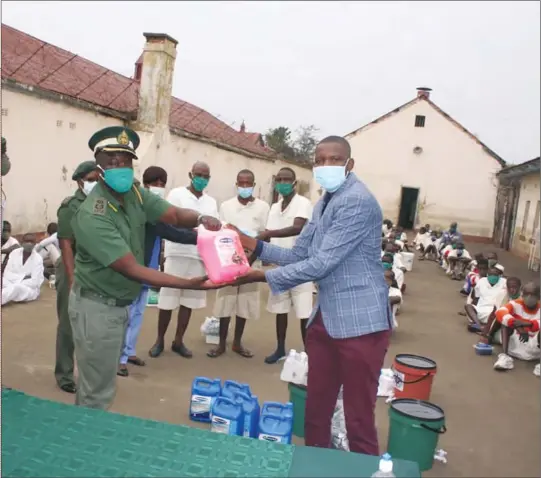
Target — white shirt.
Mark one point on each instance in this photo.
(278, 219)
(465, 254)
(9, 243)
(42, 247)
(398, 276)
(421, 238)
(183, 197)
(251, 217)
(15, 271)
(490, 296)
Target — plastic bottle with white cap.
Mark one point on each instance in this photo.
(385, 467)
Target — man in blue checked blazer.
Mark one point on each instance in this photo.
(349, 330)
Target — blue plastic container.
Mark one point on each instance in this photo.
(231, 388)
(250, 408)
(483, 349)
(276, 428)
(204, 393)
(227, 417)
(277, 408)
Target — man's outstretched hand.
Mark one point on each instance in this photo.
(253, 275)
(247, 242)
(210, 223)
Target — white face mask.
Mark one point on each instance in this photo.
(157, 191)
(88, 186)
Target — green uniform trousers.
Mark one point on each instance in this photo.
(63, 370)
(98, 333)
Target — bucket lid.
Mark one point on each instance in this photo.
(419, 409)
(416, 361)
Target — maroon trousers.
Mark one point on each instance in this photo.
(354, 363)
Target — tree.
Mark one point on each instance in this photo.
(279, 139)
(306, 142)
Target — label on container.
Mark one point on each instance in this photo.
(399, 380)
(220, 425)
(246, 431)
(273, 438)
(227, 252)
(200, 405)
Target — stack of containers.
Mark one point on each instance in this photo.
(232, 409)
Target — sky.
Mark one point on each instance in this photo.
(336, 65)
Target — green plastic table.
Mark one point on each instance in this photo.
(324, 463)
(41, 438)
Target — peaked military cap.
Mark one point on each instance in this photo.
(115, 138)
(83, 169)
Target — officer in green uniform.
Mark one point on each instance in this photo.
(86, 176)
(109, 229)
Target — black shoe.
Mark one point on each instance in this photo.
(181, 350)
(275, 357)
(68, 388)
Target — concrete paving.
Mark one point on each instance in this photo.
(492, 418)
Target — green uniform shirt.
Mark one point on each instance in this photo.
(65, 214)
(106, 230)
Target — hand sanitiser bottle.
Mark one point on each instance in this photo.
(385, 467)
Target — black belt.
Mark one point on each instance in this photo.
(94, 296)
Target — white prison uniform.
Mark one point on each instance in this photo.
(403, 237)
(489, 297)
(397, 261)
(394, 292)
(49, 248)
(300, 298)
(420, 239)
(398, 276)
(243, 300)
(182, 260)
(9, 243)
(453, 253)
(15, 288)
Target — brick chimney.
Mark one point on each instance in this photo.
(242, 127)
(154, 71)
(423, 92)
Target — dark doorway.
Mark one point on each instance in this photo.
(408, 208)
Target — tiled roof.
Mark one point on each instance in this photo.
(33, 62)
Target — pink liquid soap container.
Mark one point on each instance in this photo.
(222, 254)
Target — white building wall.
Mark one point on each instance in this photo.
(44, 156)
(456, 177)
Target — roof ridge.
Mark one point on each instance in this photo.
(439, 110)
(55, 69)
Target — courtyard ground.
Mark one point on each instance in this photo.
(492, 418)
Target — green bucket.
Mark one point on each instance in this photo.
(414, 429)
(297, 396)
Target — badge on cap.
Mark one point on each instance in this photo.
(123, 138)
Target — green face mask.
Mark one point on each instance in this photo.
(514, 296)
(285, 189)
(387, 265)
(454, 246)
(492, 279)
(199, 183)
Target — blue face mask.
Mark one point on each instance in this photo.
(119, 180)
(245, 193)
(330, 178)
